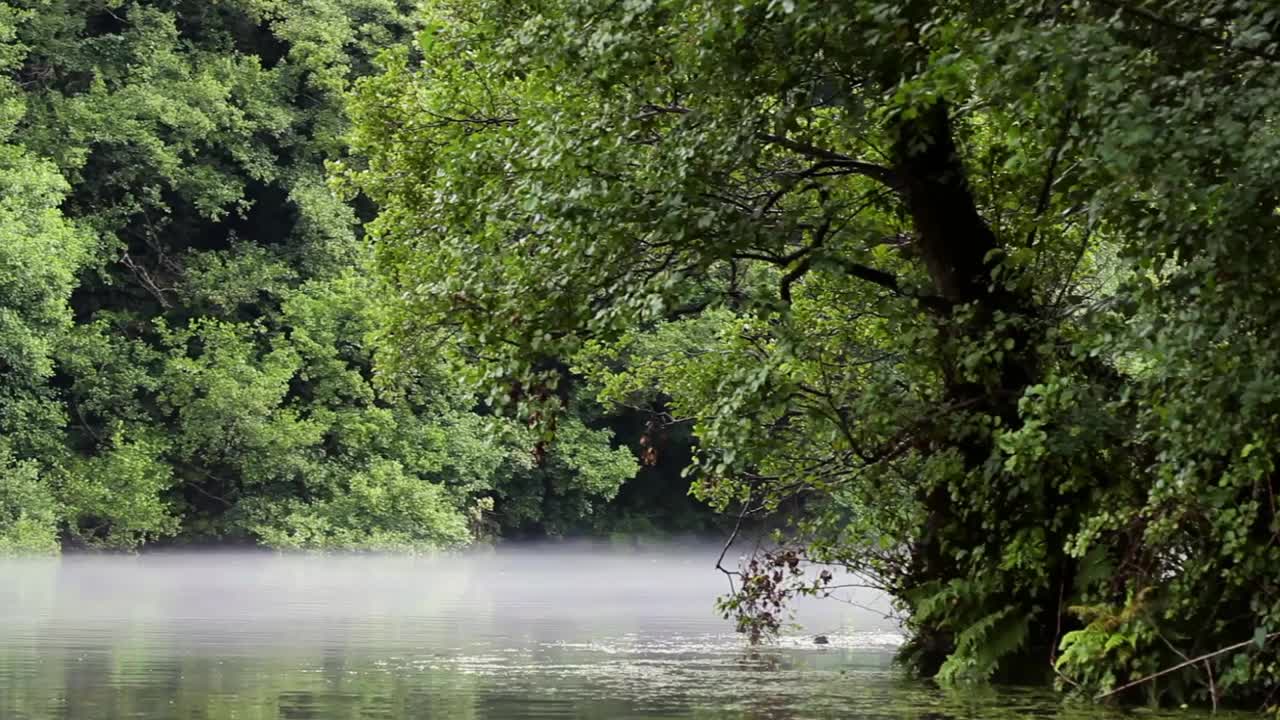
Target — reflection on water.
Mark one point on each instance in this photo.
(552, 631)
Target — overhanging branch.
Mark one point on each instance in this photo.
(876, 172)
(831, 158)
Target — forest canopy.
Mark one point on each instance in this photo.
(187, 319)
(975, 300)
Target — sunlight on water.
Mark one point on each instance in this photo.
(547, 631)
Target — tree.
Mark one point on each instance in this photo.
(983, 285)
(40, 255)
(199, 359)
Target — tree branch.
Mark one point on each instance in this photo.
(1165, 22)
(876, 172)
(888, 281)
(1051, 173)
(830, 158)
(1179, 666)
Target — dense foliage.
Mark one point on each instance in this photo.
(186, 325)
(976, 298)
(987, 288)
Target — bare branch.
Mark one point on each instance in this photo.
(1179, 666)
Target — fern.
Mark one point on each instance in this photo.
(982, 645)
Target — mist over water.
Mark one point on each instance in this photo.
(513, 633)
(518, 596)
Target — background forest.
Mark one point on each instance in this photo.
(976, 300)
(187, 336)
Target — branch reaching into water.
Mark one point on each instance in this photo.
(1181, 665)
(737, 528)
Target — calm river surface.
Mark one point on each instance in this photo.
(548, 631)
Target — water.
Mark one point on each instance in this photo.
(550, 631)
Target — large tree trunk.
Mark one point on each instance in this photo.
(960, 252)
